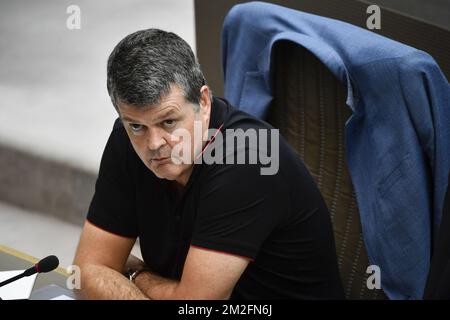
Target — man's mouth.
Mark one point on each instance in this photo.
(160, 159)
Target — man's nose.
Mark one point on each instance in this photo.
(155, 139)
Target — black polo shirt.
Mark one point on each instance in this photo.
(279, 222)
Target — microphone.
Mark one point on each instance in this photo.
(45, 265)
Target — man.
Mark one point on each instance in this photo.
(207, 229)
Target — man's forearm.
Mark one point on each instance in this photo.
(157, 287)
(101, 282)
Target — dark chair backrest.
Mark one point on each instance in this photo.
(435, 40)
(310, 111)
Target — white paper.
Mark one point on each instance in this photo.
(19, 289)
(62, 297)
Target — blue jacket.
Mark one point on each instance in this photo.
(397, 139)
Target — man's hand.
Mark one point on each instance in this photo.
(207, 274)
(102, 258)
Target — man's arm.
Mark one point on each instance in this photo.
(101, 257)
(206, 275)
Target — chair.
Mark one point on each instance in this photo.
(310, 111)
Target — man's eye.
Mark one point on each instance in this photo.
(169, 123)
(135, 127)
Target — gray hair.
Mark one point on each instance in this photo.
(143, 66)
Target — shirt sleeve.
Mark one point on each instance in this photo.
(238, 209)
(113, 207)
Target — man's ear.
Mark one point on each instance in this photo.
(205, 100)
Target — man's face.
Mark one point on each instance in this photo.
(152, 132)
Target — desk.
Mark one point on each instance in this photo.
(11, 259)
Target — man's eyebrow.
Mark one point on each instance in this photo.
(165, 114)
(125, 118)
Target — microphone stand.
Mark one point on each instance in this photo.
(4, 283)
(45, 265)
(19, 276)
